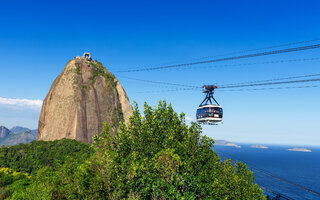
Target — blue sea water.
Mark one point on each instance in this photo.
(299, 168)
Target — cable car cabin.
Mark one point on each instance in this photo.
(209, 114)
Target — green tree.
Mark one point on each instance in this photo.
(155, 156)
(9, 179)
(37, 154)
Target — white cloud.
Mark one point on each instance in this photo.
(189, 119)
(22, 103)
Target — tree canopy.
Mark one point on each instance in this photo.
(155, 156)
(38, 154)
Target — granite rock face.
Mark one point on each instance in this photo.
(83, 96)
(4, 132)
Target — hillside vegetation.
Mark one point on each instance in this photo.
(156, 156)
(29, 158)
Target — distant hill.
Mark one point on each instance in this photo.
(258, 146)
(225, 143)
(16, 135)
(300, 149)
(18, 129)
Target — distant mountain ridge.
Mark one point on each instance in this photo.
(16, 135)
(18, 129)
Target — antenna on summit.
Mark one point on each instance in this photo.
(86, 56)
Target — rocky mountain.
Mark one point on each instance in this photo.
(83, 96)
(16, 135)
(18, 138)
(4, 132)
(18, 129)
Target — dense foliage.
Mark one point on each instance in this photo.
(155, 156)
(9, 179)
(38, 154)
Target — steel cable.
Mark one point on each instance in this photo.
(302, 48)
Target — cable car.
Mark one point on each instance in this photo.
(209, 112)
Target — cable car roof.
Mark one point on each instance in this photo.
(209, 105)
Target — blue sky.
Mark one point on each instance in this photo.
(37, 39)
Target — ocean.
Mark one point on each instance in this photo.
(294, 175)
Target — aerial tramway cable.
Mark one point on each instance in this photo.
(248, 64)
(302, 48)
(258, 49)
(275, 79)
(272, 88)
(238, 85)
(265, 172)
(234, 90)
(271, 83)
(159, 82)
(240, 52)
(281, 195)
(242, 84)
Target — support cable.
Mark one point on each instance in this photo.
(238, 90)
(161, 83)
(271, 83)
(281, 185)
(265, 172)
(272, 88)
(232, 90)
(276, 193)
(233, 85)
(258, 49)
(264, 187)
(302, 48)
(248, 64)
(275, 79)
(240, 52)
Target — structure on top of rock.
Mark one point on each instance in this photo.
(86, 56)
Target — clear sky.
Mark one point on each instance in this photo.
(37, 38)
